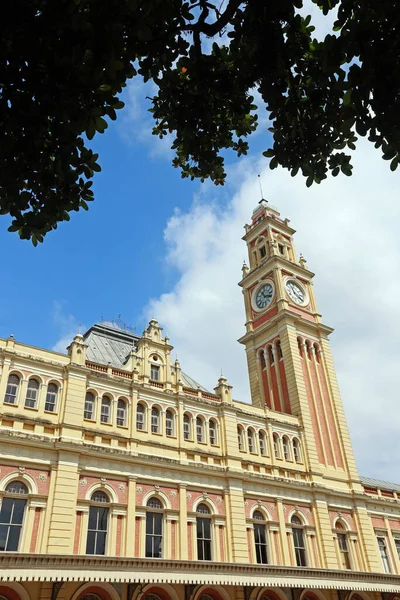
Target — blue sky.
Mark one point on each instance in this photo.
(154, 244)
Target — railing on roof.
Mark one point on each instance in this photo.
(200, 394)
(96, 367)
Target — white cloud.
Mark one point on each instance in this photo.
(67, 327)
(347, 230)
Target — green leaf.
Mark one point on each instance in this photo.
(104, 88)
(394, 164)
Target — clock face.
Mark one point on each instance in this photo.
(264, 295)
(295, 292)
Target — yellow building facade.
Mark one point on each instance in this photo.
(122, 478)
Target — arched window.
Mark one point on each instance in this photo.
(213, 432)
(308, 350)
(300, 346)
(271, 355)
(298, 541)
(88, 412)
(203, 525)
(240, 438)
(12, 389)
(12, 516)
(51, 397)
(343, 545)
(105, 414)
(317, 352)
(251, 443)
(187, 426)
(260, 538)
(140, 417)
(155, 420)
(32, 393)
(286, 448)
(279, 349)
(262, 359)
(262, 440)
(277, 445)
(98, 521)
(121, 413)
(296, 450)
(200, 430)
(154, 528)
(169, 422)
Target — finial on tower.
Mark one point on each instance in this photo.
(261, 191)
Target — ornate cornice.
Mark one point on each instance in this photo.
(42, 567)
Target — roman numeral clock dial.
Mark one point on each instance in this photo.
(262, 297)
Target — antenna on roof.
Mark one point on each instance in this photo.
(261, 190)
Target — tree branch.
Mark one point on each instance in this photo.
(211, 29)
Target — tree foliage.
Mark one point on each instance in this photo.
(63, 66)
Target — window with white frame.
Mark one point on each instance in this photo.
(260, 538)
(32, 393)
(12, 516)
(105, 413)
(384, 553)
(213, 432)
(296, 450)
(51, 398)
(251, 441)
(203, 531)
(155, 420)
(98, 523)
(240, 438)
(299, 541)
(12, 389)
(277, 445)
(187, 420)
(154, 528)
(88, 412)
(140, 417)
(262, 440)
(121, 413)
(200, 430)
(169, 422)
(286, 448)
(343, 545)
(154, 372)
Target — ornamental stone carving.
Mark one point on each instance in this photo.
(42, 476)
(139, 489)
(189, 496)
(83, 482)
(173, 494)
(121, 487)
(21, 470)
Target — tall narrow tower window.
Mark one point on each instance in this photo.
(271, 355)
(97, 526)
(298, 541)
(262, 359)
(203, 526)
(279, 349)
(263, 252)
(384, 554)
(154, 527)
(260, 538)
(105, 414)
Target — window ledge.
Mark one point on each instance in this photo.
(51, 412)
(31, 408)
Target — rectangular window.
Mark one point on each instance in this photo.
(344, 550)
(299, 547)
(51, 397)
(97, 530)
(155, 373)
(397, 544)
(11, 517)
(11, 391)
(186, 429)
(169, 423)
(263, 252)
(153, 535)
(203, 538)
(260, 538)
(88, 412)
(281, 249)
(384, 554)
(105, 414)
(213, 437)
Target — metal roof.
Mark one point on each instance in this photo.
(378, 483)
(107, 344)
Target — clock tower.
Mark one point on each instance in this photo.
(288, 353)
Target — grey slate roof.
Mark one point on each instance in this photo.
(378, 483)
(109, 344)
